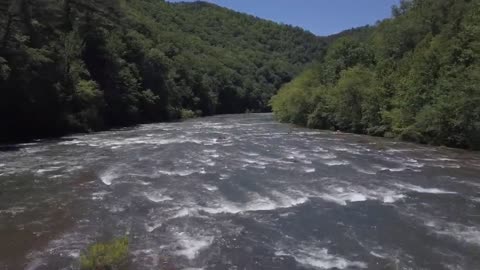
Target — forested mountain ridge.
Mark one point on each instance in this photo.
(416, 76)
(86, 65)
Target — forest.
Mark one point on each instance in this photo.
(415, 77)
(87, 65)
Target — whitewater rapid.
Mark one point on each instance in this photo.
(240, 192)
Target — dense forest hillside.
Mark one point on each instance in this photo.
(85, 65)
(416, 76)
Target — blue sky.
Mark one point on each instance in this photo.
(322, 17)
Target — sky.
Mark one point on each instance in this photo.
(321, 17)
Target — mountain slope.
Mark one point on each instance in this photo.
(83, 65)
(415, 76)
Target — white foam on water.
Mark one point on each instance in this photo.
(108, 176)
(149, 255)
(396, 169)
(72, 142)
(190, 246)
(67, 245)
(157, 196)
(97, 196)
(475, 199)
(209, 162)
(308, 132)
(74, 168)
(444, 163)
(259, 204)
(382, 168)
(153, 227)
(463, 233)
(210, 187)
(348, 150)
(326, 156)
(185, 212)
(391, 150)
(352, 194)
(286, 214)
(414, 163)
(373, 253)
(256, 203)
(337, 163)
(13, 210)
(319, 150)
(116, 208)
(35, 264)
(424, 190)
(468, 183)
(267, 204)
(182, 173)
(48, 169)
(251, 154)
(142, 183)
(287, 201)
(320, 258)
(344, 198)
(296, 155)
(141, 140)
(391, 198)
(447, 166)
(331, 198)
(364, 171)
(254, 162)
(74, 254)
(460, 232)
(356, 197)
(261, 167)
(309, 170)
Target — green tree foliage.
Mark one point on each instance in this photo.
(86, 65)
(416, 76)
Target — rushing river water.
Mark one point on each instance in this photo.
(240, 192)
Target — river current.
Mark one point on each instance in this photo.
(240, 192)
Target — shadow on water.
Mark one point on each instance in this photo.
(9, 148)
(17, 146)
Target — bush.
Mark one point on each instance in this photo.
(106, 256)
(187, 114)
(411, 134)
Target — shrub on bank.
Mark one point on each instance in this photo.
(106, 256)
(187, 114)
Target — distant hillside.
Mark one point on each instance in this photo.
(415, 76)
(362, 33)
(85, 65)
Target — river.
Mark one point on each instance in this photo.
(240, 192)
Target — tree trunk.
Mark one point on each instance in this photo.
(7, 6)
